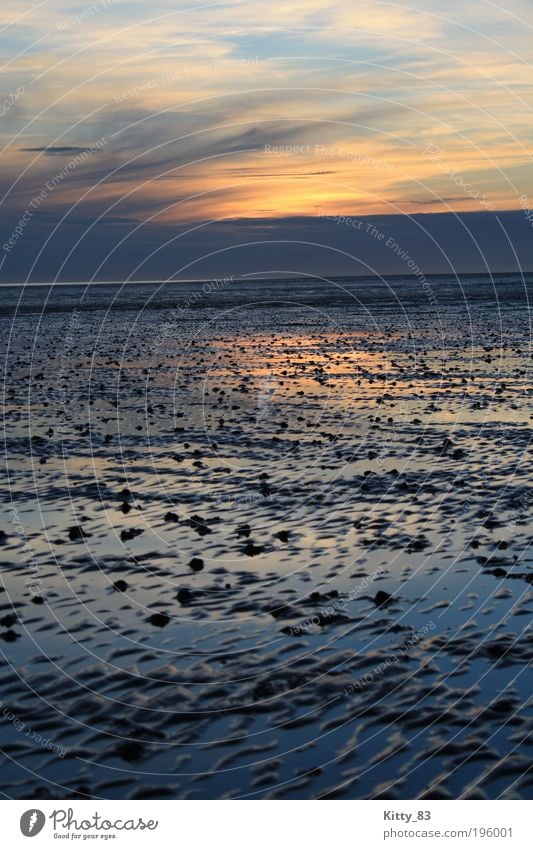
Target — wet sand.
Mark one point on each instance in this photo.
(277, 549)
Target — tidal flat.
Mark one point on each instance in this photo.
(267, 539)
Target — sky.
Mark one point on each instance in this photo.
(169, 140)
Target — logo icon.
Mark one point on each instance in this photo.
(32, 822)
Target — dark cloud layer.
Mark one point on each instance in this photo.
(121, 248)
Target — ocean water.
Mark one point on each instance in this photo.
(267, 539)
(227, 293)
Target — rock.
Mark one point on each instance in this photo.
(76, 532)
(171, 517)
(292, 632)
(9, 636)
(120, 585)
(253, 550)
(130, 751)
(196, 564)
(497, 650)
(446, 445)
(9, 620)
(491, 523)
(199, 524)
